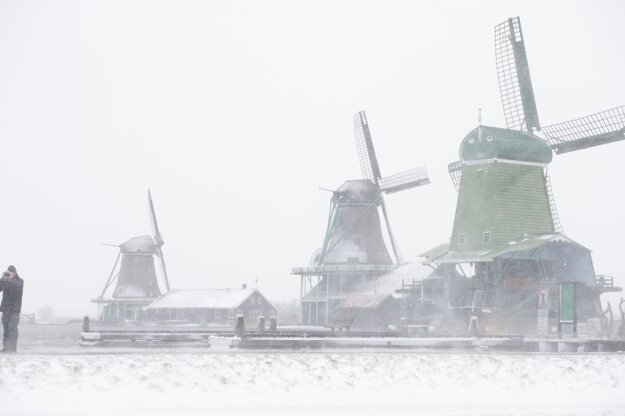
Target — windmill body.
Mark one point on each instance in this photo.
(356, 230)
(507, 245)
(137, 275)
(503, 195)
(134, 276)
(354, 253)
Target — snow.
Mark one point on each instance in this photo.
(342, 383)
(202, 298)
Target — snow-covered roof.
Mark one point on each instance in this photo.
(143, 244)
(364, 301)
(372, 294)
(443, 254)
(202, 298)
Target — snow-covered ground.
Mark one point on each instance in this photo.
(335, 383)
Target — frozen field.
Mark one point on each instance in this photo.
(336, 383)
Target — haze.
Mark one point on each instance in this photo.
(235, 113)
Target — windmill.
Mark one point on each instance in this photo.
(136, 281)
(353, 250)
(523, 150)
(354, 231)
(506, 227)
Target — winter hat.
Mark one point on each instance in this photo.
(12, 269)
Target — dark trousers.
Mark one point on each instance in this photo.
(10, 320)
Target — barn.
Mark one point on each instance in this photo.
(380, 302)
(209, 306)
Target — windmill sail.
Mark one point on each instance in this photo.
(158, 238)
(557, 225)
(515, 84)
(404, 180)
(371, 170)
(398, 255)
(455, 171)
(594, 130)
(364, 146)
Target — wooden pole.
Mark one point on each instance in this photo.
(239, 327)
(261, 324)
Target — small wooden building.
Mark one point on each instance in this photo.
(209, 306)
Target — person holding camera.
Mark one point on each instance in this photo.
(12, 287)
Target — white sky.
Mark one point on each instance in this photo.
(234, 113)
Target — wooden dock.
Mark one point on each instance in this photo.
(306, 338)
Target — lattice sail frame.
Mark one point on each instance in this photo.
(555, 218)
(390, 184)
(593, 130)
(404, 180)
(515, 84)
(455, 172)
(364, 147)
(158, 238)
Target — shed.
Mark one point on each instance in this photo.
(219, 306)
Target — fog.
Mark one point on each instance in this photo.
(235, 113)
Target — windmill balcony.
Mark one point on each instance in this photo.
(606, 284)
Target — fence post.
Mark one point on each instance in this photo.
(239, 327)
(261, 325)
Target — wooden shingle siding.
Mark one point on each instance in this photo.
(508, 200)
(522, 203)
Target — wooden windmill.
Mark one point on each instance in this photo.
(354, 232)
(506, 230)
(353, 250)
(136, 281)
(503, 187)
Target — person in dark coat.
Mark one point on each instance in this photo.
(12, 287)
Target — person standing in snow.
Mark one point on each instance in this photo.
(12, 287)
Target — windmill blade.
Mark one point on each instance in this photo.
(455, 171)
(398, 256)
(364, 146)
(555, 218)
(159, 254)
(155, 231)
(594, 130)
(111, 277)
(158, 238)
(404, 180)
(515, 84)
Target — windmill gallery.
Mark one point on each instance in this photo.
(508, 268)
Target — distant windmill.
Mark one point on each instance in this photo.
(521, 187)
(353, 252)
(136, 280)
(354, 231)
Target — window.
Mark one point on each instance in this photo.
(462, 239)
(217, 314)
(259, 300)
(231, 314)
(486, 237)
(252, 299)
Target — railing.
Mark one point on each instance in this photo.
(603, 281)
(344, 268)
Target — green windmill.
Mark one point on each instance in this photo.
(506, 233)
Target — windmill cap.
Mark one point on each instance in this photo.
(12, 269)
(495, 143)
(359, 190)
